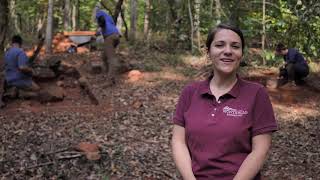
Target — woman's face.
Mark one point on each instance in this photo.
(226, 51)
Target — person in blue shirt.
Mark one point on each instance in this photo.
(18, 72)
(109, 31)
(295, 68)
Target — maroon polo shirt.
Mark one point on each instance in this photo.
(219, 133)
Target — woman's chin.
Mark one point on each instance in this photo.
(226, 71)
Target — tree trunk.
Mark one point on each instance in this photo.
(235, 14)
(49, 27)
(191, 25)
(218, 11)
(133, 19)
(119, 22)
(4, 17)
(117, 11)
(197, 4)
(175, 21)
(75, 15)
(40, 25)
(263, 30)
(146, 20)
(211, 8)
(14, 17)
(67, 15)
(125, 25)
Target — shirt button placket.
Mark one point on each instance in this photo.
(213, 114)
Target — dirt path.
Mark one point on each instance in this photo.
(132, 126)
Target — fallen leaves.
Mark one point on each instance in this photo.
(128, 135)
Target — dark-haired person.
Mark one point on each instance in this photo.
(111, 35)
(222, 125)
(18, 72)
(296, 67)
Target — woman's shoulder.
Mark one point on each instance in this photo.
(193, 86)
(196, 84)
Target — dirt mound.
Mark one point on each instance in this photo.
(60, 44)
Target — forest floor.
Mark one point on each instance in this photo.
(132, 124)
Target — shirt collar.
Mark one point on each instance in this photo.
(234, 92)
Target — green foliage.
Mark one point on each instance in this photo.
(271, 58)
(294, 22)
(314, 67)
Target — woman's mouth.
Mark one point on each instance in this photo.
(226, 60)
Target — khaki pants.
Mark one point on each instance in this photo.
(109, 56)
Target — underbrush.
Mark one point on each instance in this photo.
(314, 67)
(156, 55)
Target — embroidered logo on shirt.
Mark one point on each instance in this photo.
(234, 112)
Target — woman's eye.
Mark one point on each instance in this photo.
(218, 45)
(236, 47)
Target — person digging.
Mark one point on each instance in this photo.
(295, 68)
(111, 35)
(18, 70)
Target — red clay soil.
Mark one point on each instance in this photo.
(288, 94)
(61, 42)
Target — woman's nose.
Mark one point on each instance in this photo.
(227, 50)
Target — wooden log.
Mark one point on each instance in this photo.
(84, 84)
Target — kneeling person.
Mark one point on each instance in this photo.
(18, 72)
(296, 67)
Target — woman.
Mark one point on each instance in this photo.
(222, 126)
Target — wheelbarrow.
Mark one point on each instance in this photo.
(80, 38)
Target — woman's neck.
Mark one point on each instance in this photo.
(223, 81)
(220, 85)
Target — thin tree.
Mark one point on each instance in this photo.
(218, 11)
(4, 16)
(67, 15)
(75, 15)
(197, 4)
(211, 8)
(117, 10)
(146, 20)
(191, 26)
(235, 13)
(14, 17)
(49, 27)
(133, 19)
(263, 37)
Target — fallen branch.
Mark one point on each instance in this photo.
(37, 51)
(84, 84)
(58, 151)
(69, 155)
(40, 165)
